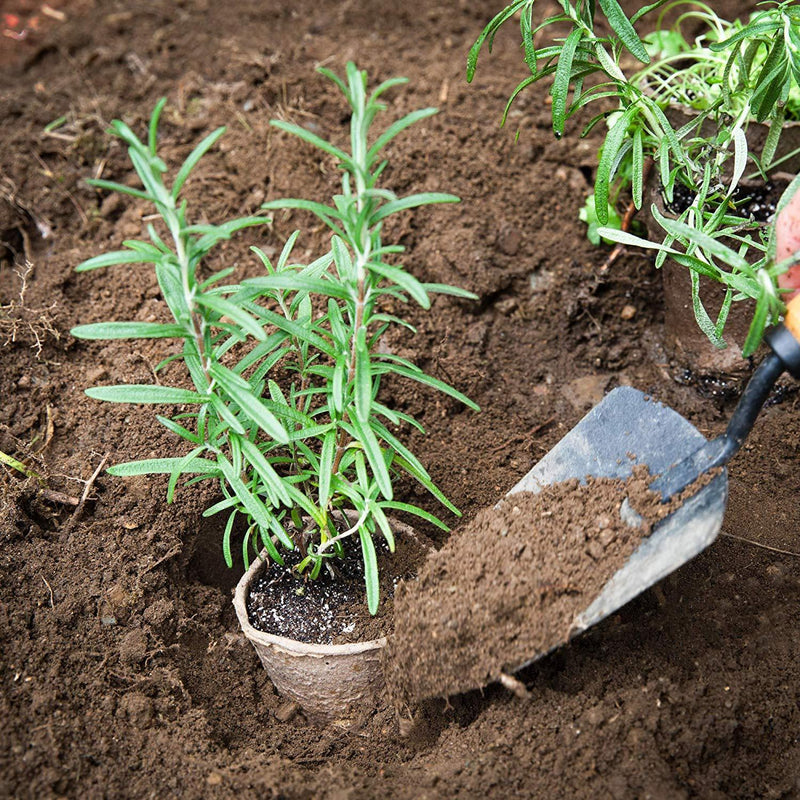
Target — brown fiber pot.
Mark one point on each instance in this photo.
(332, 683)
(686, 344)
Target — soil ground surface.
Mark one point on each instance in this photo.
(122, 671)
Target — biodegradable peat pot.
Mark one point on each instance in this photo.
(332, 683)
(687, 346)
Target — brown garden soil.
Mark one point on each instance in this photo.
(123, 672)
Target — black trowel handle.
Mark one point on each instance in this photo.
(784, 339)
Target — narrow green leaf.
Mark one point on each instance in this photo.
(757, 326)
(611, 147)
(313, 139)
(739, 158)
(383, 524)
(389, 83)
(453, 291)
(181, 467)
(701, 239)
(395, 444)
(298, 282)
(113, 258)
(412, 201)
(326, 467)
(337, 386)
(249, 403)
(246, 547)
(751, 31)
(364, 435)
(228, 309)
(120, 129)
(300, 332)
(434, 383)
(193, 158)
(404, 280)
(212, 234)
(152, 133)
(144, 393)
(370, 570)
(397, 127)
(637, 180)
(179, 430)
(415, 510)
(773, 137)
(265, 471)
(363, 376)
(227, 417)
(169, 281)
(153, 466)
(560, 89)
(332, 76)
(226, 539)
(521, 86)
(128, 330)
(704, 321)
(325, 213)
(425, 481)
(342, 259)
(113, 186)
(623, 28)
(487, 35)
(258, 512)
(149, 176)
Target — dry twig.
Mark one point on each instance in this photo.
(76, 514)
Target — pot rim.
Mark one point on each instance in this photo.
(292, 646)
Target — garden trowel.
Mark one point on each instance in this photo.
(628, 428)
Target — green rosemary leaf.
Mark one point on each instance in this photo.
(152, 466)
(193, 158)
(128, 330)
(144, 393)
(370, 570)
(623, 28)
(560, 89)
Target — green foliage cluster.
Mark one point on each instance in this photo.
(732, 74)
(285, 411)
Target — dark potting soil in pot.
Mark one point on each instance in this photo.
(333, 608)
(508, 586)
(757, 201)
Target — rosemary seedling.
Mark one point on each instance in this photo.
(286, 412)
(730, 74)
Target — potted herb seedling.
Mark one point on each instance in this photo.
(703, 160)
(285, 412)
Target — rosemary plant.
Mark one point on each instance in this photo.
(285, 412)
(731, 74)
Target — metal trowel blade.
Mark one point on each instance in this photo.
(625, 429)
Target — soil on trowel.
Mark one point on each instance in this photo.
(509, 585)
